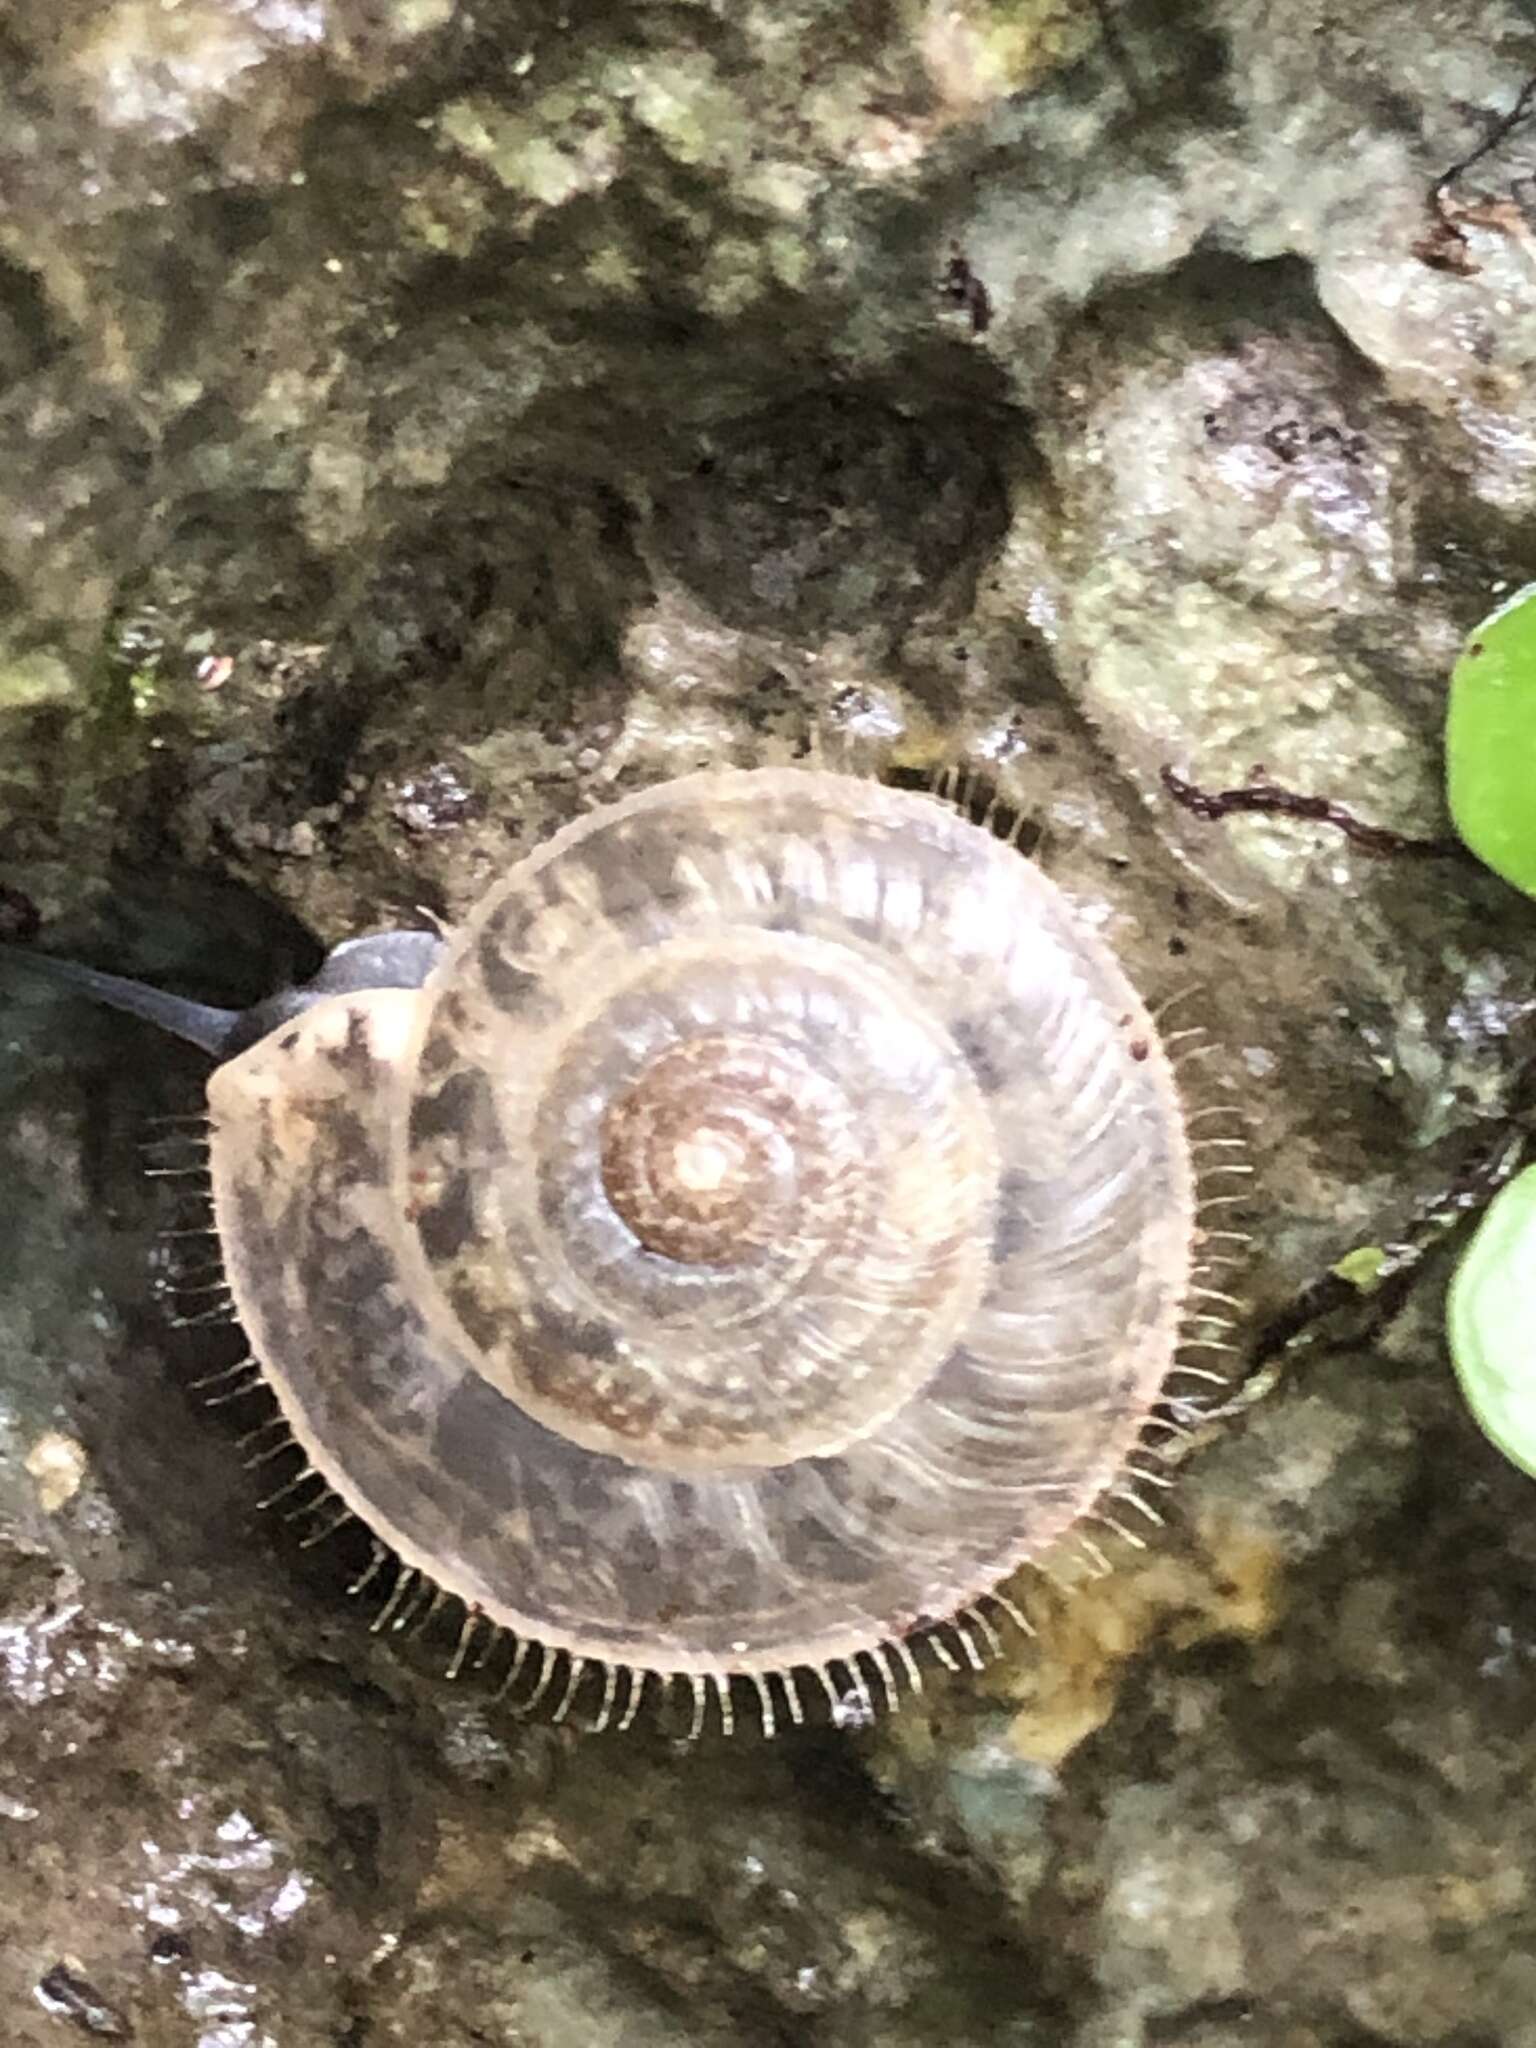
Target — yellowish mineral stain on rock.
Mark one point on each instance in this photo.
(56, 1464)
(1067, 1683)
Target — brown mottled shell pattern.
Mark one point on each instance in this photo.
(768, 1228)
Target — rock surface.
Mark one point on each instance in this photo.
(418, 424)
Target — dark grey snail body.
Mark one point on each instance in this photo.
(397, 959)
(761, 1227)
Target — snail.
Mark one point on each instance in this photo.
(766, 1223)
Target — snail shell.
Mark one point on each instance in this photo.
(767, 1227)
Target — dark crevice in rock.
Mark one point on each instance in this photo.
(1217, 298)
(825, 513)
(29, 338)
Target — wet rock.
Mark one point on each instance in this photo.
(419, 428)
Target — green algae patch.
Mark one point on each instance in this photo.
(1362, 1267)
(1490, 741)
(1491, 1322)
(28, 681)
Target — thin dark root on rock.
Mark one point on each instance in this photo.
(1358, 1318)
(1525, 104)
(1270, 799)
(1443, 245)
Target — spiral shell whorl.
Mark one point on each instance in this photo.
(787, 1211)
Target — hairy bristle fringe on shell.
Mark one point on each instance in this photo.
(245, 1366)
(856, 1706)
(577, 1665)
(1187, 1411)
(722, 1689)
(941, 1651)
(866, 1662)
(467, 1629)
(1237, 1112)
(1197, 1373)
(976, 1614)
(1007, 1607)
(1208, 1319)
(823, 1677)
(548, 1660)
(410, 1607)
(289, 1487)
(376, 1563)
(975, 795)
(792, 1700)
(1152, 1438)
(955, 1625)
(1049, 1569)
(879, 1655)
(958, 1628)
(1142, 1507)
(637, 1684)
(405, 1578)
(604, 1714)
(265, 1457)
(1159, 1479)
(182, 1278)
(263, 1429)
(514, 1669)
(433, 1609)
(695, 1685)
(1195, 1334)
(309, 1507)
(1229, 1301)
(1190, 991)
(1208, 1326)
(909, 1664)
(338, 1519)
(1103, 1519)
(1101, 1564)
(221, 1315)
(1187, 1055)
(765, 1707)
(1212, 1265)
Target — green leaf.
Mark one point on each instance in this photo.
(1490, 741)
(1491, 1321)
